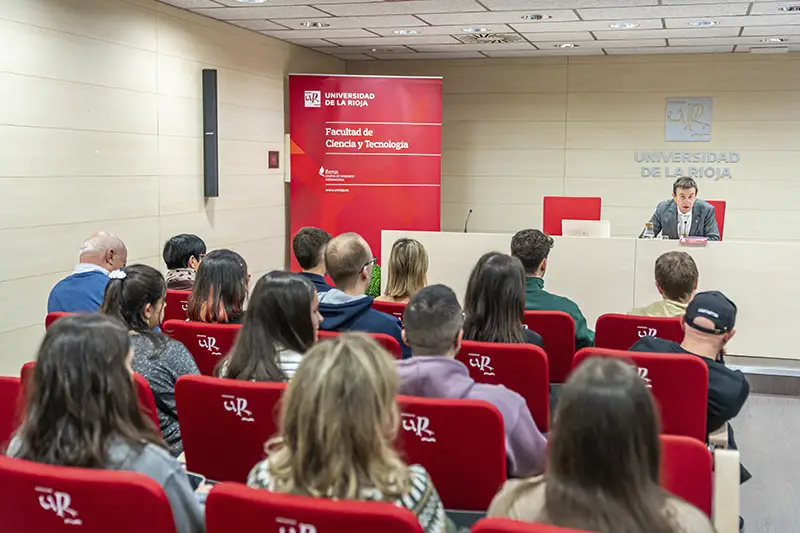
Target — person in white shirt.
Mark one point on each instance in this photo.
(685, 215)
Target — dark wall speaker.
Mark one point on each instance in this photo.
(210, 135)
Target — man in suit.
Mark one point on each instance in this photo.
(685, 215)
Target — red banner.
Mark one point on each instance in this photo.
(365, 154)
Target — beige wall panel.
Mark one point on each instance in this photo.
(262, 255)
(226, 227)
(643, 192)
(249, 124)
(18, 347)
(504, 135)
(184, 194)
(30, 299)
(75, 153)
(496, 162)
(499, 190)
(504, 107)
(31, 101)
(491, 217)
(180, 116)
(514, 80)
(180, 156)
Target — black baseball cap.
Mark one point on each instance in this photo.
(714, 306)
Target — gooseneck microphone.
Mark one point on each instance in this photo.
(466, 222)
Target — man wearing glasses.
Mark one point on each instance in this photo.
(349, 261)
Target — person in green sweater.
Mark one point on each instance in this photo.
(532, 247)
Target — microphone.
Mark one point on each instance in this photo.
(466, 222)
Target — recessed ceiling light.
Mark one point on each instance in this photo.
(252, 1)
(623, 25)
(789, 9)
(309, 24)
(703, 23)
(535, 16)
(381, 50)
(475, 30)
(406, 32)
(774, 40)
(566, 45)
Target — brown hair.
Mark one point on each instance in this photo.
(684, 182)
(220, 288)
(495, 301)
(676, 275)
(407, 270)
(531, 246)
(308, 246)
(339, 420)
(345, 256)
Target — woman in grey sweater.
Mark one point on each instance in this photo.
(136, 295)
(84, 367)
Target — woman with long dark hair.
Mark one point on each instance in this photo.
(280, 325)
(135, 295)
(220, 289)
(604, 462)
(82, 411)
(495, 302)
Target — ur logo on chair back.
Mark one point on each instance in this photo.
(643, 374)
(59, 503)
(644, 331)
(418, 425)
(482, 363)
(290, 525)
(238, 406)
(209, 343)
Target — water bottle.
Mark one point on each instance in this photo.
(648, 231)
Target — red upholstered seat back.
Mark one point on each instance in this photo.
(208, 343)
(558, 333)
(620, 332)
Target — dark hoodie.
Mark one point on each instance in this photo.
(318, 281)
(342, 312)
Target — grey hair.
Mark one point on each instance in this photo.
(100, 242)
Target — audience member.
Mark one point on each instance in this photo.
(338, 424)
(495, 302)
(136, 296)
(708, 326)
(433, 329)
(82, 411)
(532, 247)
(347, 307)
(82, 291)
(308, 246)
(182, 254)
(280, 325)
(604, 462)
(220, 290)
(676, 281)
(408, 271)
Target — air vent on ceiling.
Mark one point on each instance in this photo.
(490, 38)
(775, 49)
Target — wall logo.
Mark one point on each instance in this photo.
(688, 120)
(313, 99)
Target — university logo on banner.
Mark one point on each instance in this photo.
(313, 99)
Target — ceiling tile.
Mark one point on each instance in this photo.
(671, 50)
(446, 30)
(634, 43)
(355, 57)
(668, 34)
(260, 12)
(493, 17)
(396, 40)
(192, 4)
(387, 21)
(703, 10)
(361, 49)
(235, 3)
(544, 53)
(762, 20)
(433, 55)
(723, 41)
(561, 36)
(412, 7)
(258, 25)
(593, 25)
(772, 30)
(318, 33)
(748, 48)
(472, 47)
(771, 8)
(684, 2)
(562, 4)
(312, 43)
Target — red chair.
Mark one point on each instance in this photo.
(558, 333)
(177, 303)
(687, 470)
(232, 507)
(679, 383)
(147, 403)
(519, 367)
(461, 443)
(38, 498)
(52, 317)
(558, 208)
(208, 343)
(388, 342)
(390, 308)
(225, 423)
(10, 390)
(620, 332)
(506, 525)
(719, 214)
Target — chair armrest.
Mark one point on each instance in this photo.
(719, 438)
(726, 491)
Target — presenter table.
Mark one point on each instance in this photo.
(614, 275)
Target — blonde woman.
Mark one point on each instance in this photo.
(408, 271)
(339, 420)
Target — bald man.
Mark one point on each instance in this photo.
(83, 290)
(347, 307)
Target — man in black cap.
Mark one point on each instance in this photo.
(708, 325)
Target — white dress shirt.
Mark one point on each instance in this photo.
(684, 223)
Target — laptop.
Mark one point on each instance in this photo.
(586, 228)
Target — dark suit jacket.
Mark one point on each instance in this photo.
(704, 222)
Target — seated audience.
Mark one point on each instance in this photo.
(495, 302)
(308, 246)
(433, 329)
(220, 289)
(708, 326)
(338, 424)
(676, 281)
(182, 254)
(408, 271)
(604, 462)
(82, 291)
(532, 247)
(136, 296)
(82, 411)
(347, 307)
(280, 325)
